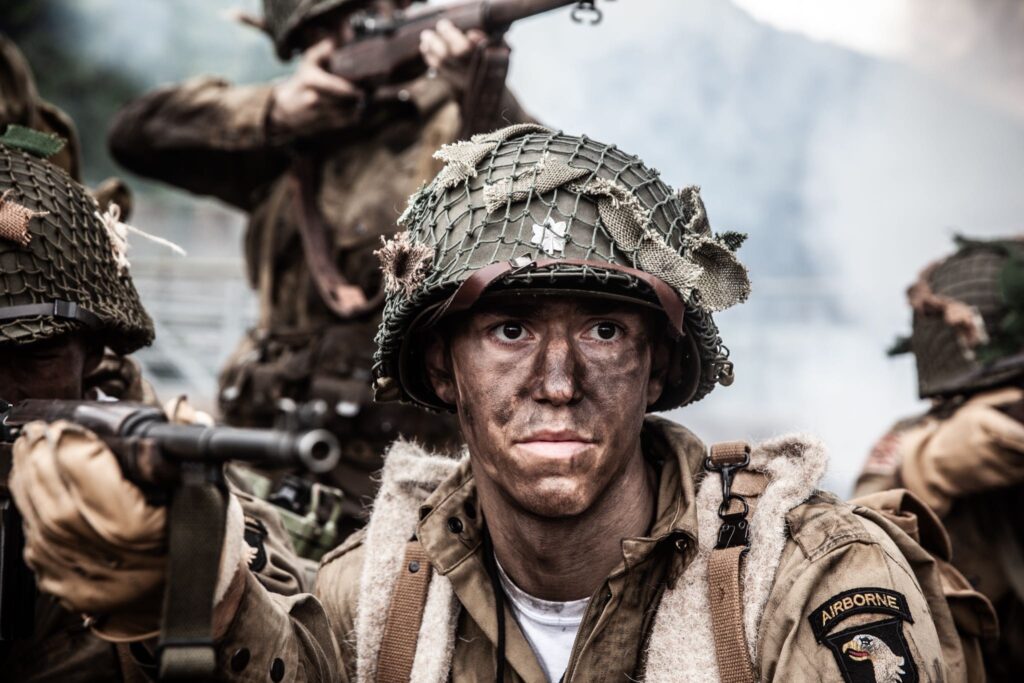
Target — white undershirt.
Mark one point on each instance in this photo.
(550, 627)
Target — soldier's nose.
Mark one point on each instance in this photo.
(557, 372)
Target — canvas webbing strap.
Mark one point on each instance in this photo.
(196, 519)
(481, 104)
(316, 246)
(405, 613)
(67, 310)
(725, 566)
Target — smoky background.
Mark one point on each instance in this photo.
(851, 141)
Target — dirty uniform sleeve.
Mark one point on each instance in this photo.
(280, 638)
(204, 135)
(847, 607)
(272, 557)
(979, 448)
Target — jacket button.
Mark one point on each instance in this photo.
(240, 660)
(455, 525)
(414, 567)
(277, 670)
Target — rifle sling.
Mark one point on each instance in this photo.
(725, 573)
(481, 103)
(196, 519)
(316, 246)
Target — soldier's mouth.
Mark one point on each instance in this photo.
(554, 444)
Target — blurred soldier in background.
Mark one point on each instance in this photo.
(323, 168)
(20, 104)
(66, 296)
(965, 456)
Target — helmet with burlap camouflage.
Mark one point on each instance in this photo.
(529, 208)
(968, 325)
(283, 19)
(62, 263)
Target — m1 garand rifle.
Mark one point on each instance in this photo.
(181, 466)
(387, 49)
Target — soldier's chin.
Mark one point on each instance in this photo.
(554, 498)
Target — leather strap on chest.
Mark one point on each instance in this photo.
(405, 614)
(725, 566)
(316, 244)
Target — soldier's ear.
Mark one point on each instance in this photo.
(437, 360)
(661, 359)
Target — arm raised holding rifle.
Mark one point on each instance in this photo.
(120, 509)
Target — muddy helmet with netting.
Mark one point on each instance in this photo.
(530, 208)
(283, 19)
(62, 266)
(968, 324)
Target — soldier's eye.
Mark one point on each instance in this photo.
(605, 331)
(509, 331)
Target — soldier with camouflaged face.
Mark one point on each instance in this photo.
(367, 153)
(965, 456)
(551, 291)
(20, 104)
(66, 295)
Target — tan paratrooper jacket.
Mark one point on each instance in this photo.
(212, 138)
(967, 463)
(820, 574)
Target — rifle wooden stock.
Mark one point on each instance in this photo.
(389, 50)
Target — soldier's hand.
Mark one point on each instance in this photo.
(312, 99)
(449, 52)
(93, 540)
(350, 297)
(90, 536)
(979, 448)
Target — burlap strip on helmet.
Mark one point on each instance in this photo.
(461, 158)
(14, 220)
(707, 266)
(545, 177)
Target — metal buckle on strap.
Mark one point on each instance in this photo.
(735, 530)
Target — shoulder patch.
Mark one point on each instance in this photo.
(875, 652)
(857, 601)
(255, 533)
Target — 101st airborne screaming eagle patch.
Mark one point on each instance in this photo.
(875, 652)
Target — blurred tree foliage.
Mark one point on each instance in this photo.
(88, 91)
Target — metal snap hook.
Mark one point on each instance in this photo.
(586, 8)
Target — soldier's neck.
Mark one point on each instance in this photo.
(568, 558)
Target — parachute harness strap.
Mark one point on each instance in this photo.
(725, 566)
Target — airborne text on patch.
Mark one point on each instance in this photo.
(857, 601)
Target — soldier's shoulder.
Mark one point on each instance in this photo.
(344, 551)
(824, 523)
(338, 581)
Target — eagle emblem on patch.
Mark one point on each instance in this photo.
(875, 652)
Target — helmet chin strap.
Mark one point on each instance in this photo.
(470, 290)
(67, 310)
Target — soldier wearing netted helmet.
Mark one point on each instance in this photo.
(322, 167)
(66, 295)
(965, 456)
(552, 291)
